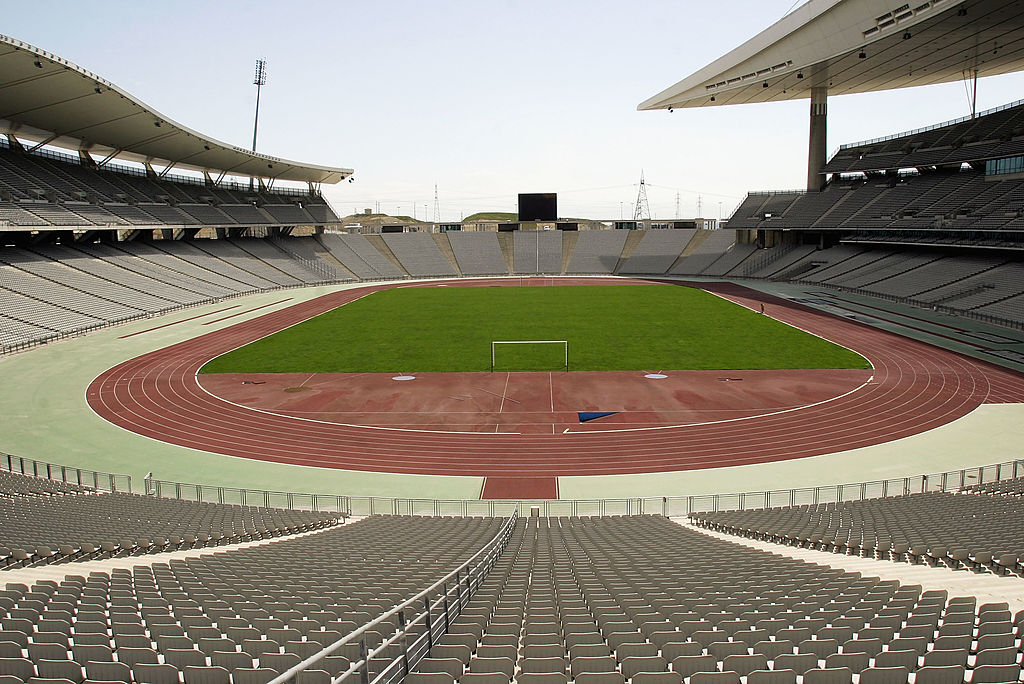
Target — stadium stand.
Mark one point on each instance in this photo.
(210, 267)
(901, 236)
(478, 253)
(642, 600)
(16, 484)
(968, 531)
(774, 262)
(240, 616)
(762, 206)
(79, 524)
(267, 252)
(46, 187)
(359, 256)
(537, 252)
(314, 258)
(731, 260)
(986, 135)
(717, 244)
(1012, 487)
(597, 251)
(945, 178)
(657, 251)
(419, 254)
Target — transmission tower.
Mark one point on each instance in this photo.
(643, 209)
(437, 206)
(677, 204)
(700, 204)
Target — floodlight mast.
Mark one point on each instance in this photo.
(259, 80)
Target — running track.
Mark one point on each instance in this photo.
(916, 387)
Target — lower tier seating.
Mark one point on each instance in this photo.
(966, 531)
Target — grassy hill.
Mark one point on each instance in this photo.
(500, 216)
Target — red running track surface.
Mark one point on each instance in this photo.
(916, 387)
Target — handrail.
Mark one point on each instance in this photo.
(922, 304)
(677, 505)
(497, 543)
(83, 477)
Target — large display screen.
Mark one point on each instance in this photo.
(538, 206)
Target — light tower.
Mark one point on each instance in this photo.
(259, 80)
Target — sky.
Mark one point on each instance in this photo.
(483, 99)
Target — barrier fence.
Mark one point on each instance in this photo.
(918, 303)
(949, 481)
(105, 482)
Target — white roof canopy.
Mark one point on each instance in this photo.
(49, 100)
(857, 46)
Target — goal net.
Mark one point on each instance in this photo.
(529, 354)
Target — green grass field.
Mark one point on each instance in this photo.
(444, 329)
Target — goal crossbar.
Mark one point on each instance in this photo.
(495, 343)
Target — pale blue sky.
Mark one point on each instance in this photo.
(486, 99)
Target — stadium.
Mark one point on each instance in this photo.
(248, 440)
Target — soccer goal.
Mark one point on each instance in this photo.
(495, 343)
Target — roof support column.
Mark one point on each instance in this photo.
(816, 154)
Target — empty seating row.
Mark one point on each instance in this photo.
(36, 530)
(965, 531)
(242, 616)
(16, 484)
(657, 251)
(49, 188)
(645, 601)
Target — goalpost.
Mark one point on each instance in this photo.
(495, 343)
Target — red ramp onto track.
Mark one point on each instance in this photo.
(520, 488)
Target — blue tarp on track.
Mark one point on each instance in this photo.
(586, 416)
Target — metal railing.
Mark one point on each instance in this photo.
(920, 304)
(95, 479)
(421, 620)
(953, 480)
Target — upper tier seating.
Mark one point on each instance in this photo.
(756, 206)
(643, 600)
(957, 530)
(989, 135)
(947, 199)
(51, 188)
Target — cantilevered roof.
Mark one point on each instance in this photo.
(821, 43)
(47, 99)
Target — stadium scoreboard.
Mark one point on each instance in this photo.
(538, 206)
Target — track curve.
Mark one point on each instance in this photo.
(916, 387)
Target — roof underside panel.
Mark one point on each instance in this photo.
(820, 45)
(44, 98)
